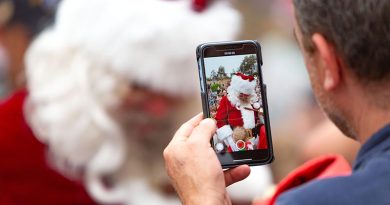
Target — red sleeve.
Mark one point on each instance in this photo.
(222, 112)
(25, 175)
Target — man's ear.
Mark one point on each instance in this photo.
(330, 62)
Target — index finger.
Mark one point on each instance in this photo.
(203, 133)
(185, 129)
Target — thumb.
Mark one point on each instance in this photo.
(236, 174)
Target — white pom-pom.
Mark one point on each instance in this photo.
(219, 147)
(256, 105)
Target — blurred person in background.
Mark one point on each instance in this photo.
(325, 138)
(346, 47)
(312, 135)
(20, 21)
(284, 73)
(105, 86)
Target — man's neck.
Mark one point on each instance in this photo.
(369, 120)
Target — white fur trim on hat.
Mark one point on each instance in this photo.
(224, 132)
(150, 42)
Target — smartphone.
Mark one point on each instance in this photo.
(233, 93)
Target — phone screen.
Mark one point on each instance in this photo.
(234, 95)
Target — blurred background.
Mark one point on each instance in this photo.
(300, 131)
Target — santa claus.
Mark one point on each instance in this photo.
(239, 116)
(105, 85)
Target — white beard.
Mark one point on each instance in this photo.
(248, 116)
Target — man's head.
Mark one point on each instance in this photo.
(242, 90)
(346, 46)
(244, 98)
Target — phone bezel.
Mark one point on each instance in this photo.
(252, 157)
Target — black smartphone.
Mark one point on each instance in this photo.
(233, 93)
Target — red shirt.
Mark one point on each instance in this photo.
(25, 176)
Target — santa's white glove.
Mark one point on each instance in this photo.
(225, 134)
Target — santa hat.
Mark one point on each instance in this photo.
(241, 83)
(148, 42)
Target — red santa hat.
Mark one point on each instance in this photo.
(199, 5)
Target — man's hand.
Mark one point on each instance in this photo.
(194, 168)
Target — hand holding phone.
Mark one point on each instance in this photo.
(233, 93)
(194, 168)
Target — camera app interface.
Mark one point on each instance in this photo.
(235, 103)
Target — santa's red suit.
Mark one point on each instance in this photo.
(25, 176)
(231, 113)
(229, 117)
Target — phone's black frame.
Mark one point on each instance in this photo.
(251, 157)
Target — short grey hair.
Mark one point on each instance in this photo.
(359, 30)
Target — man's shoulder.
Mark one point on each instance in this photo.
(367, 186)
(316, 192)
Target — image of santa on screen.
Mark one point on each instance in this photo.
(240, 117)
